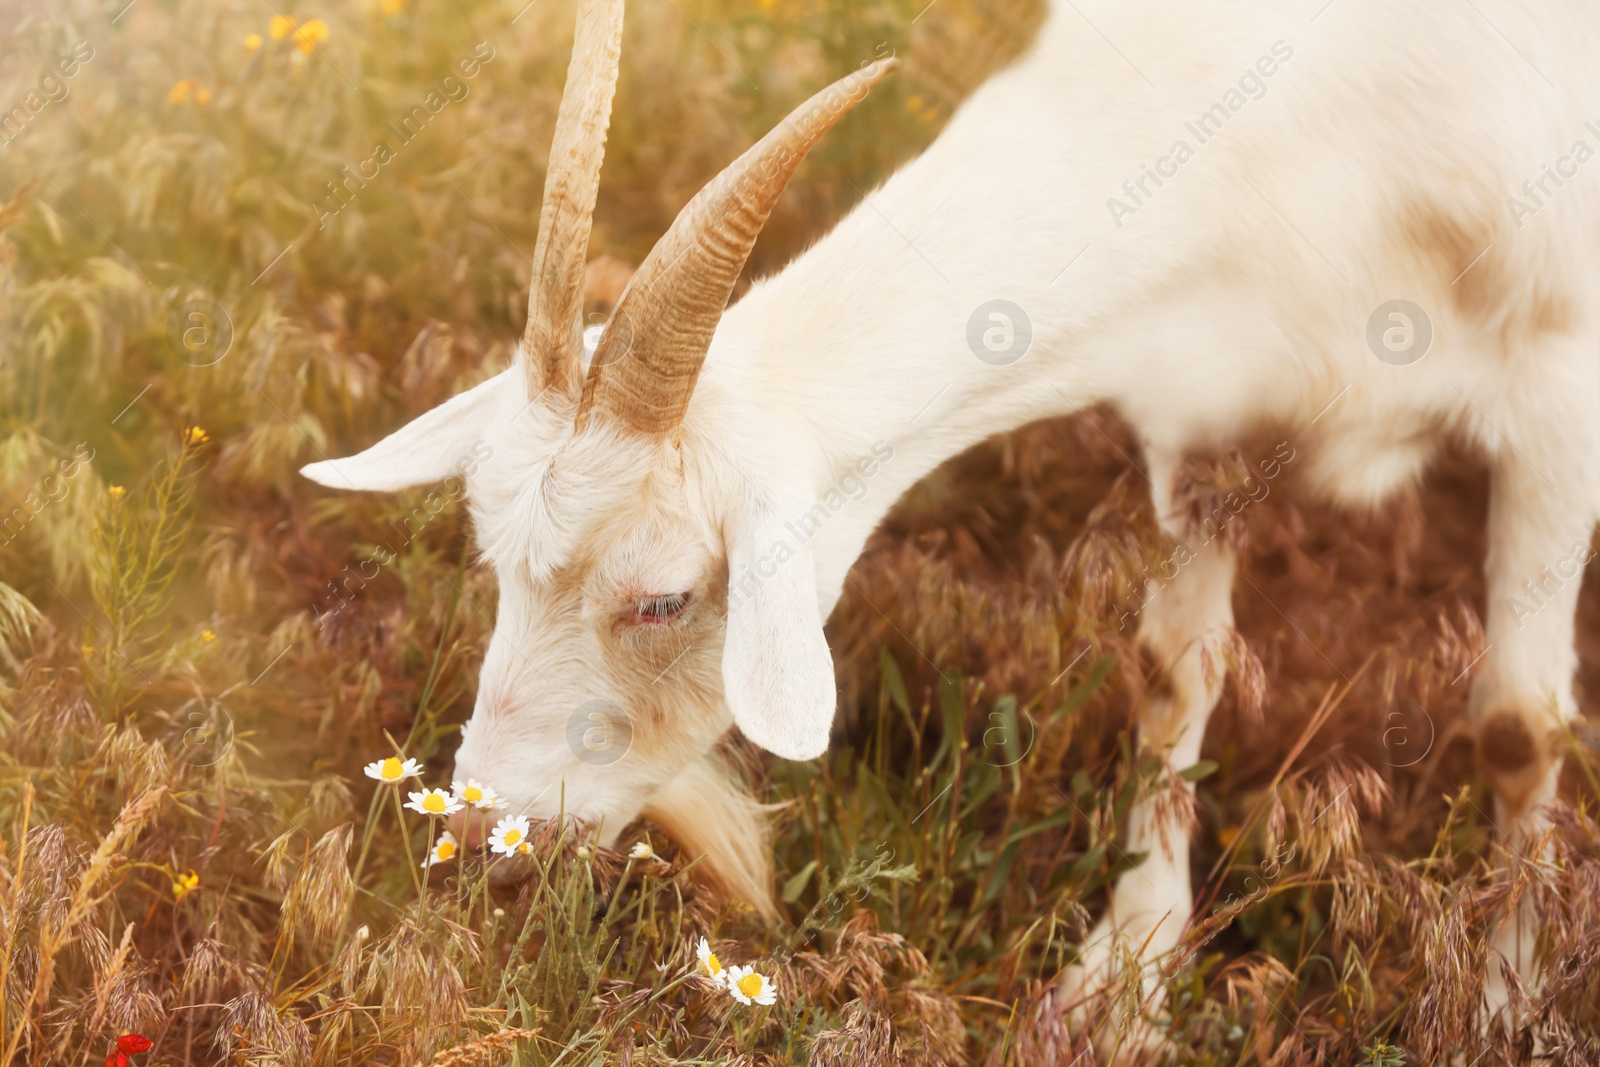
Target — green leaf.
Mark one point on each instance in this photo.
(798, 882)
(894, 681)
(1204, 769)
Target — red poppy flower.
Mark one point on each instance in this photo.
(117, 1059)
(133, 1043)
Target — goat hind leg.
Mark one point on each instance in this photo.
(1542, 510)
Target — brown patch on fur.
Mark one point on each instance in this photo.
(1449, 244)
(1513, 757)
(1463, 254)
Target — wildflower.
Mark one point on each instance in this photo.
(433, 802)
(127, 1045)
(584, 852)
(642, 851)
(183, 91)
(392, 7)
(116, 491)
(499, 913)
(207, 636)
(393, 769)
(307, 36)
(252, 42)
(362, 932)
(510, 835)
(477, 794)
(444, 849)
(194, 435)
(749, 986)
(280, 27)
(709, 961)
(184, 884)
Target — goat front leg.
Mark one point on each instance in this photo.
(1185, 620)
(1542, 509)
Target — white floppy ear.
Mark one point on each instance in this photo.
(429, 448)
(777, 672)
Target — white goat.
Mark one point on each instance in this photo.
(1201, 215)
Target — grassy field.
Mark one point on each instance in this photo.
(189, 850)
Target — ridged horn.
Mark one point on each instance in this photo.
(552, 342)
(645, 367)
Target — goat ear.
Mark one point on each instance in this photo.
(429, 448)
(777, 672)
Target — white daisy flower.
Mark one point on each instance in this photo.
(393, 769)
(444, 850)
(477, 794)
(709, 963)
(642, 851)
(510, 835)
(749, 986)
(433, 802)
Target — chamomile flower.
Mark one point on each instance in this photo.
(750, 986)
(444, 849)
(709, 963)
(393, 769)
(642, 851)
(433, 802)
(509, 836)
(477, 794)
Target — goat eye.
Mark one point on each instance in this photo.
(663, 608)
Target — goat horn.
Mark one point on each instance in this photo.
(552, 342)
(645, 367)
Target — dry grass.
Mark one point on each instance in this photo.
(170, 703)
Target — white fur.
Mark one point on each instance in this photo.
(1236, 297)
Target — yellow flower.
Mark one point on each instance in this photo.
(433, 802)
(116, 491)
(185, 884)
(207, 636)
(202, 95)
(476, 793)
(708, 960)
(88, 650)
(194, 435)
(749, 986)
(392, 7)
(642, 851)
(510, 835)
(444, 850)
(181, 90)
(252, 42)
(307, 36)
(279, 27)
(392, 769)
